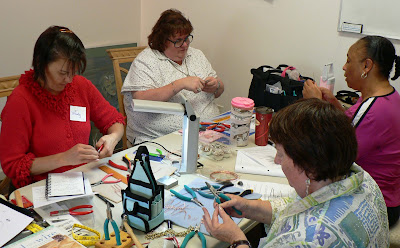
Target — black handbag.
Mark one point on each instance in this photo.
(271, 87)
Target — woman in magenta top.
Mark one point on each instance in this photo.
(46, 120)
(376, 115)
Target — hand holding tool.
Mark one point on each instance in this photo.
(104, 180)
(191, 234)
(100, 148)
(72, 211)
(219, 195)
(185, 198)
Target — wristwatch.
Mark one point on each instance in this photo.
(240, 242)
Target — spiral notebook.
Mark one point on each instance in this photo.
(65, 184)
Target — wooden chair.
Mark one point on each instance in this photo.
(7, 85)
(120, 56)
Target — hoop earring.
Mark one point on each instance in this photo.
(364, 75)
(307, 185)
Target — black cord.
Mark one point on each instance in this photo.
(198, 163)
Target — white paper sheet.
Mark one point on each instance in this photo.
(266, 189)
(258, 160)
(12, 222)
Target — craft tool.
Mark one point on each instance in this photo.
(103, 181)
(219, 195)
(117, 175)
(185, 198)
(72, 211)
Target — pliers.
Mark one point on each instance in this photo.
(72, 211)
(114, 225)
(104, 180)
(219, 195)
(218, 127)
(191, 234)
(220, 188)
(185, 198)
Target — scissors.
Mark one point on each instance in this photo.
(219, 195)
(185, 198)
(191, 234)
(218, 127)
(72, 211)
(104, 180)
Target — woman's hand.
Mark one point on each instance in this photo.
(211, 85)
(191, 83)
(226, 231)
(311, 90)
(79, 154)
(108, 142)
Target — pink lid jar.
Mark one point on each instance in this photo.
(241, 114)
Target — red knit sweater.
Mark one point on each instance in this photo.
(36, 123)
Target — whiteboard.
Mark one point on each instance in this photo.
(375, 17)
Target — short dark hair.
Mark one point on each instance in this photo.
(170, 22)
(317, 136)
(383, 53)
(54, 43)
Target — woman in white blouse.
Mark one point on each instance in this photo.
(167, 68)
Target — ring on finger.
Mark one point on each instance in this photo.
(198, 89)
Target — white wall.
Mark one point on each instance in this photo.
(96, 22)
(237, 35)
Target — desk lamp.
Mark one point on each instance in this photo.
(190, 129)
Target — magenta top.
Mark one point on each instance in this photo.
(378, 136)
(243, 103)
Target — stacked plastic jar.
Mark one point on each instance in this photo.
(241, 113)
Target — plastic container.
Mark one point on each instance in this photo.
(241, 113)
(263, 117)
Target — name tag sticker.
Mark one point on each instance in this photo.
(77, 113)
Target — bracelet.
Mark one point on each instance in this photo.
(240, 242)
(219, 85)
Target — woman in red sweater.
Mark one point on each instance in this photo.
(46, 120)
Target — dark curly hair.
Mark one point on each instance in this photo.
(170, 23)
(382, 52)
(54, 43)
(317, 136)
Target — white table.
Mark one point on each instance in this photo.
(171, 142)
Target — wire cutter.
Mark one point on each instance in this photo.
(185, 198)
(218, 126)
(219, 195)
(201, 192)
(72, 211)
(191, 234)
(104, 180)
(114, 225)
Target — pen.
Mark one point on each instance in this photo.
(105, 200)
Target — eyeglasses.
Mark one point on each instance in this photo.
(179, 42)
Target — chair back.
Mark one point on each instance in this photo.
(8, 84)
(120, 56)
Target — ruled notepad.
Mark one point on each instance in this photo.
(65, 184)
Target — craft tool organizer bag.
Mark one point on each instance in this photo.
(143, 199)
